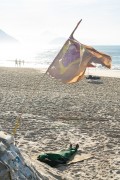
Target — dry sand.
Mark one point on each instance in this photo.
(55, 114)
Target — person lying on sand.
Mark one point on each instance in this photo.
(53, 159)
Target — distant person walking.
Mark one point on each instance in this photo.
(19, 63)
(23, 62)
(16, 62)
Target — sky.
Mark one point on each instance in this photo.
(37, 21)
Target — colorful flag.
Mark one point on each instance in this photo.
(71, 62)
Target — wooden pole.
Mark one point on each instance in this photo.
(71, 36)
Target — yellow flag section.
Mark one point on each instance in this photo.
(71, 62)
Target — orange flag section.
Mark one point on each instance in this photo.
(71, 62)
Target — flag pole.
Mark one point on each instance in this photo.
(71, 36)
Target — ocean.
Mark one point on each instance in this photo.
(44, 57)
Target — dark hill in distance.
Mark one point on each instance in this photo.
(5, 38)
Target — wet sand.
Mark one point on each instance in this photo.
(55, 115)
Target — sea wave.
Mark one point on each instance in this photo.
(116, 67)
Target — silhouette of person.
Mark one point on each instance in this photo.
(23, 62)
(16, 62)
(19, 62)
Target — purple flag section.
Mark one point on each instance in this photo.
(71, 62)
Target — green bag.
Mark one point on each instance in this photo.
(53, 159)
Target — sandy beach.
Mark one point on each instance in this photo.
(55, 115)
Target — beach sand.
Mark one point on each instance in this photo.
(56, 114)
